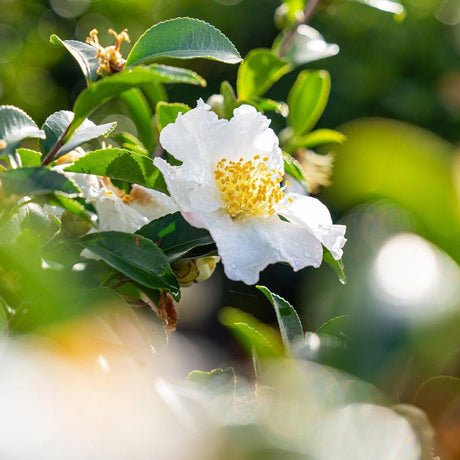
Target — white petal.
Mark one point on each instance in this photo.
(151, 203)
(248, 246)
(314, 215)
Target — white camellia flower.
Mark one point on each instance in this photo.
(229, 182)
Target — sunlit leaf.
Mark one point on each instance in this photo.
(167, 113)
(307, 100)
(136, 257)
(216, 381)
(129, 142)
(315, 138)
(122, 165)
(269, 105)
(288, 319)
(56, 124)
(103, 90)
(29, 157)
(15, 126)
(260, 69)
(183, 38)
(83, 53)
(141, 114)
(252, 334)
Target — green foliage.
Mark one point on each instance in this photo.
(15, 126)
(35, 181)
(288, 319)
(183, 38)
(259, 70)
(29, 157)
(57, 123)
(176, 237)
(254, 336)
(167, 113)
(141, 114)
(136, 257)
(104, 90)
(122, 165)
(336, 265)
(129, 142)
(315, 139)
(307, 100)
(84, 54)
(294, 169)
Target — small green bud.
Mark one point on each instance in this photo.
(194, 270)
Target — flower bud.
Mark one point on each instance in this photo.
(195, 270)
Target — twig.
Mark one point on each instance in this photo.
(308, 12)
(56, 147)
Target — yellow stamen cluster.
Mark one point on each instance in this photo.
(110, 59)
(249, 187)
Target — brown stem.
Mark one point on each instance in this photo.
(56, 147)
(305, 18)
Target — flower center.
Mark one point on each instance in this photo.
(249, 187)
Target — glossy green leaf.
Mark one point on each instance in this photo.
(183, 38)
(269, 105)
(136, 257)
(29, 157)
(56, 124)
(260, 69)
(307, 100)
(15, 126)
(142, 116)
(252, 334)
(122, 165)
(107, 88)
(229, 99)
(315, 138)
(129, 142)
(294, 169)
(84, 54)
(167, 113)
(77, 206)
(154, 93)
(335, 327)
(175, 236)
(336, 265)
(35, 181)
(288, 320)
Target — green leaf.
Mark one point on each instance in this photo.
(175, 236)
(3, 324)
(104, 90)
(389, 6)
(183, 38)
(253, 335)
(216, 381)
(141, 115)
(136, 257)
(56, 124)
(83, 53)
(288, 320)
(307, 100)
(335, 327)
(154, 93)
(122, 165)
(15, 126)
(35, 181)
(230, 101)
(167, 113)
(294, 168)
(269, 105)
(129, 142)
(29, 157)
(77, 206)
(336, 265)
(260, 69)
(315, 138)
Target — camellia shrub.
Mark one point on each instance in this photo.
(97, 225)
